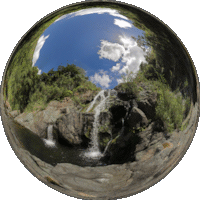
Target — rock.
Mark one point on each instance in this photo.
(147, 102)
(14, 113)
(105, 118)
(87, 97)
(38, 121)
(157, 137)
(95, 179)
(137, 118)
(122, 94)
(65, 110)
(113, 93)
(133, 103)
(118, 109)
(70, 127)
(7, 104)
(149, 152)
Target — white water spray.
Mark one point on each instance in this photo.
(50, 142)
(94, 151)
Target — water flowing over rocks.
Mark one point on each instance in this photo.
(155, 155)
(109, 126)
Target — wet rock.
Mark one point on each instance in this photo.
(88, 119)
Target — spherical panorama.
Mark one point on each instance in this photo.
(100, 100)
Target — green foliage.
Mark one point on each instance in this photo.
(87, 85)
(77, 101)
(129, 85)
(140, 129)
(30, 91)
(169, 107)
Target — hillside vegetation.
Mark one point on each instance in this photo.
(30, 91)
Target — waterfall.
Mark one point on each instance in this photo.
(108, 144)
(99, 95)
(50, 142)
(50, 132)
(94, 151)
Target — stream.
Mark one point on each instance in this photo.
(54, 154)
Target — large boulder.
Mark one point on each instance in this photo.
(147, 103)
(74, 126)
(14, 113)
(70, 127)
(137, 118)
(38, 121)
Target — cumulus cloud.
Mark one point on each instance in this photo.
(131, 55)
(101, 78)
(116, 68)
(39, 46)
(90, 11)
(111, 51)
(120, 80)
(122, 23)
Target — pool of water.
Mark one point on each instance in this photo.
(51, 154)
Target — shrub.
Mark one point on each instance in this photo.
(170, 107)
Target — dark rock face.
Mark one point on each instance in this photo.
(87, 119)
(137, 118)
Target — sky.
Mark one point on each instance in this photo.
(99, 40)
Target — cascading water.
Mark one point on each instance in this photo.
(94, 151)
(122, 130)
(50, 142)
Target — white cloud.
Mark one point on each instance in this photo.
(111, 51)
(39, 72)
(90, 11)
(119, 80)
(116, 68)
(101, 78)
(131, 55)
(124, 69)
(122, 23)
(38, 47)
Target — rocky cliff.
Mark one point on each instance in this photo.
(126, 126)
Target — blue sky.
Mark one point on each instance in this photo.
(97, 40)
